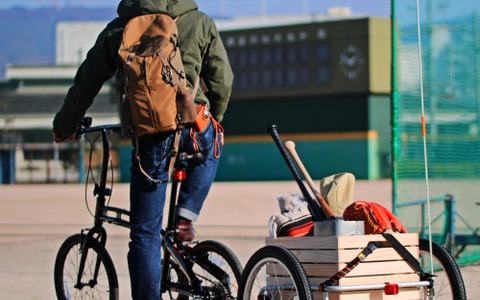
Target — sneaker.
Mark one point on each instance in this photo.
(184, 231)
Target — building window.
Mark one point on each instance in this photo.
(266, 56)
(242, 79)
(254, 78)
(322, 53)
(266, 79)
(322, 75)
(303, 36)
(296, 54)
(230, 41)
(254, 57)
(242, 41)
(277, 38)
(303, 77)
(277, 77)
(291, 37)
(291, 76)
(265, 39)
(278, 55)
(242, 58)
(232, 58)
(321, 34)
(302, 53)
(253, 39)
(291, 55)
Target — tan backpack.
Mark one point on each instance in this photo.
(155, 97)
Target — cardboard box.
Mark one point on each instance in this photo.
(323, 256)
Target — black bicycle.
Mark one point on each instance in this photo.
(84, 269)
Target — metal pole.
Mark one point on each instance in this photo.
(394, 107)
(424, 131)
(476, 54)
(81, 160)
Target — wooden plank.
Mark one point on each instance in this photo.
(403, 294)
(277, 280)
(363, 269)
(347, 255)
(379, 279)
(339, 242)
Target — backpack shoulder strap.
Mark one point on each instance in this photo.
(195, 87)
(197, 82)
(173, 157)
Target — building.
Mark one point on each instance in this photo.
(325, 83)
(324, 80)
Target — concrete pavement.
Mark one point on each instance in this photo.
(36, 219)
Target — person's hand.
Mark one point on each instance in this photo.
(59, 140)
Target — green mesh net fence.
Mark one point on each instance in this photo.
(450, 48)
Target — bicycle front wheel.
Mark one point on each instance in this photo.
(448, 281)
(218, 269)
(99, 279)
(273, 272)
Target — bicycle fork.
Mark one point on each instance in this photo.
(84, 248)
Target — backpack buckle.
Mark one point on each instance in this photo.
(167, 75)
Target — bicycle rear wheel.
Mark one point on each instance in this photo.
(212, 261)
(273, 272)
(448, 281)
(102, 286)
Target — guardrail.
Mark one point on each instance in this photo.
(448, 237)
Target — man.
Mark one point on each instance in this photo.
(204, 55)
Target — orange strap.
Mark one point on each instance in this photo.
(218, 129)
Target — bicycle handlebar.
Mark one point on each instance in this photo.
(84, 127)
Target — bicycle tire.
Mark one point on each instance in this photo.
(66, 270)
(448, 281)
(283, 276)
(173, 274)
(220, 255)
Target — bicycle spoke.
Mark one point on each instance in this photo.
(102, 286)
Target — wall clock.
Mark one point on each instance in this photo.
(351, 62)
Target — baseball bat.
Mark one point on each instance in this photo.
(317, 212)
(290, 146)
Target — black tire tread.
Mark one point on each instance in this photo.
(102, 253)
(289, 261)
(223, 251)
(442, 255)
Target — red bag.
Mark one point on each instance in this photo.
(302, 226)
(376, 217)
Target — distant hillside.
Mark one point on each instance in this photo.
(27, 36)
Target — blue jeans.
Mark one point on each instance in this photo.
(147, 200)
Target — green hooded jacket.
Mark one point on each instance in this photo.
(203, 53)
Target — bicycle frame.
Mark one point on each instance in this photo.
(173, 251)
